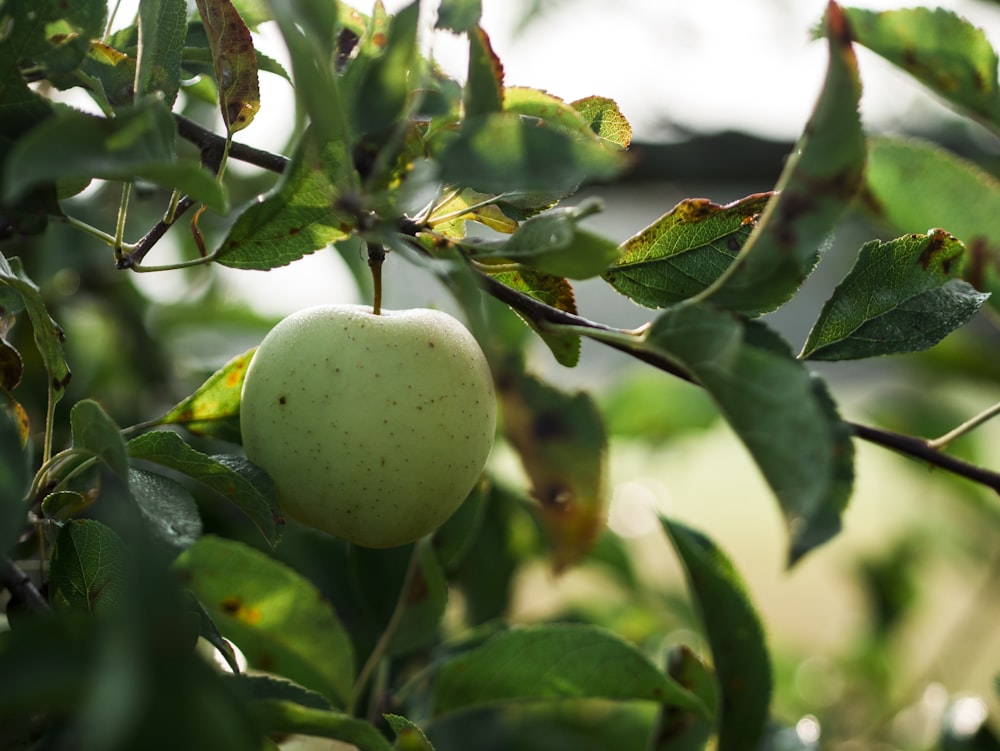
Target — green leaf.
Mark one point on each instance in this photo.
(214, 408)
(52, 35)
(561, 441)
(260, 687)
(554, 291)
(553, 243)
(162, 29)
(235, 62)
(111, 74)
(167, 507)
(47, 333)
(94, 431)
(815, 189)
(606, 120)
(409, 737)
(459, 15)
(208, 631)
(901, 296)
(484, 90)
(279, 718)
(735, 635)
(548, 108)
(680, 729)
(505, 152)
(63, 505)
(939, 48)
(453, 539)
(683, 252)
(278, 619)
(137, 143)
(15, 479)
(553, 661)
(378, 577)
(232, 477)
(300, 216)
(88, 565)
(384, 93)
(913, 185)
(644, 405)
(783, 414)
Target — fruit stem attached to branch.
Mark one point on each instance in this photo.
(376, 256)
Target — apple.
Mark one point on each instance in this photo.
(374, 427)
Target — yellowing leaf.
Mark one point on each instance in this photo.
(235, 62)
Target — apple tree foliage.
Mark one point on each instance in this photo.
(153, 534)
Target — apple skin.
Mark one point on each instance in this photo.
(374, 428)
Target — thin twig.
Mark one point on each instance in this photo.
(965, 427)
(18, 583)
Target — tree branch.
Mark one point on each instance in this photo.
(211, 142)
(14, 580)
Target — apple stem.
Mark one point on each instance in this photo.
(376, 255)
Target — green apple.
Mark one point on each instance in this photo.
(374, 428)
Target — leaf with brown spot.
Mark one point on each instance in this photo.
(556, 292)
(235, 62)
(561, 440)
(605, 118)
(214, 408)
(685, 250)
(815, 190)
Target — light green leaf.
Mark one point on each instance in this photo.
(561, 441)
(783, 414)
(553, 661)
(162, 30)
(87, 566)
(409, 737)
(484, 89)
(214, 408)
(138, 143)
(606, 120)
(556, 292)
(815, 189)
(459, 15)
(94, 431)
(167, 507)
(904, 295)
(939, 48)
(232, 477)
(279, 620)
(300, 216)
(235, 62)
(685, 250)
(735, 636)
(503, 152)
(548, 108)
(914, 185)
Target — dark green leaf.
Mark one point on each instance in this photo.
(94, 431)
(162, 29)
(554, 243)
(167, 507)
(65, 504)
(735, 635)
(208, 631)
(235, 62)
(554, 291)
(300, 216)
(47, 333)
(214, 409)
(110, 74)
(901, 296)
(409, 737)
(505, 152)
(15, 478)
(783, 415)
(274, 717)
(87, 566)
(232, 477)
(562, 445)
(685, 250)
(553, 661)
(484, 90)
(679, 729)
(459, 15)
(453, 539)
(138, 143)
(52, 35)
(914, 185)
(606, 120)
(276, 617)
(260, 687)
(942, 50)
(817, 186)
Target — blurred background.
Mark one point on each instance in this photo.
(876, 635)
